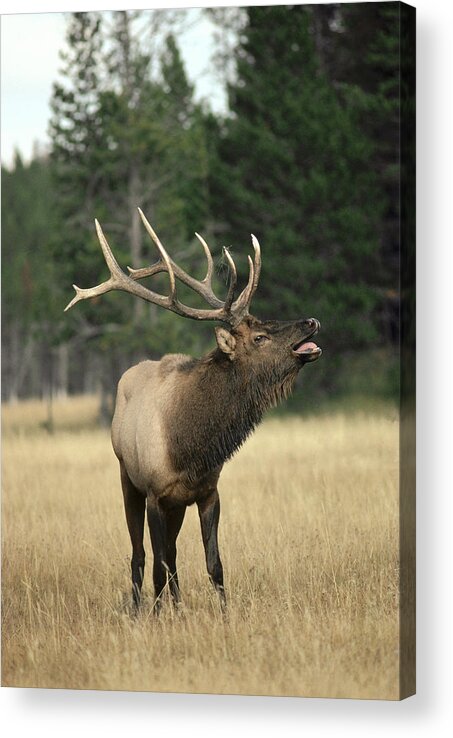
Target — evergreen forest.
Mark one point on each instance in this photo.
(306, 156)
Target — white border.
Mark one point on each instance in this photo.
(54, 712)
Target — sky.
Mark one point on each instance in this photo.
(30, 44)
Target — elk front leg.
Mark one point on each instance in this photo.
(134, 505)
(157, 522)
(209, 512)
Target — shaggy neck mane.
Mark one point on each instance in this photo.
(217, 406)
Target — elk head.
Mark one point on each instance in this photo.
(271, 345)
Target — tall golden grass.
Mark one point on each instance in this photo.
(309, 540)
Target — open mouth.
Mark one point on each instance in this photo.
(306, 349)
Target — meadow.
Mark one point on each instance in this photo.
(309, 542)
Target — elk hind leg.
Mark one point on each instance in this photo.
(175, 518)
(157, 521)
(134, 505)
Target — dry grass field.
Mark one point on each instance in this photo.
(308, 536)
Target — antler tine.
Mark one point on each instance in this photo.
(241, 306)
(233, 280)
(249, 287)
(204, 287)
(228, 311)
(120, 281)
(207, 279)
(257, 264)
(163, 254)
(115, 273)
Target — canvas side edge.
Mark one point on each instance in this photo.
(407, 490)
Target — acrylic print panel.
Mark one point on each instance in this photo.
(296, 124)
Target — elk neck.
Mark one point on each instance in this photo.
(217, 405)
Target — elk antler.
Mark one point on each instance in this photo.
(229, 311)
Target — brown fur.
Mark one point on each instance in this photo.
(178, 420)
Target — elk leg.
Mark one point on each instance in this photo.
(157, 522)
(134, 505)
(209, 512)
(174, 522)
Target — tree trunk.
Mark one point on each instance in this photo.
(62, 370)
(135, 231)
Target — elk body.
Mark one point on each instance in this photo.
(179, 419)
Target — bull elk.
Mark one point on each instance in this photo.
(179, 419)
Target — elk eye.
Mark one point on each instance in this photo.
(261, 338)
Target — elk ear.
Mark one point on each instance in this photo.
(225, 341)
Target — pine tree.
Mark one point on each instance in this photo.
(159, 158)
(78, 160)
(186, 154)
(75, 127)
(363, 62)
(124, 137)
(379, 108)
(30, 290)
(294, 167)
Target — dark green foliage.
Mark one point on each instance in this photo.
(123, 139)
(299, 165)
(28, 289)
(31, 322)
(364, 65)
(79, 147)
(307, 158)
(295, 166)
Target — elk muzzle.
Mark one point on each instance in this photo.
(305, 349)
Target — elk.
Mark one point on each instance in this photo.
(178, 420)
